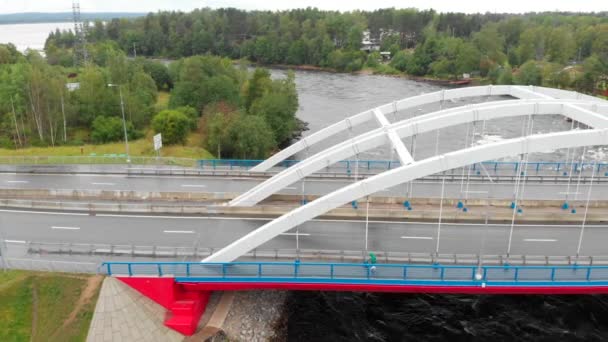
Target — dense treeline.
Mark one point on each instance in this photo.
(44, 103)
(528, 49)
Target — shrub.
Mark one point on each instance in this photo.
(173, 125)
(109, 129)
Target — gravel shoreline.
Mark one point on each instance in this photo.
(256, 316)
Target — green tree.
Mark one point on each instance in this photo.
(249, 137)
(109, 129)
(529, 74)
(173, 125)
(401, 60)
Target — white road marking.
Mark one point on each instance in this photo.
(178, 231)
(193, 186)
(65, 228)
(540, 240)
(568, 193)
(17, 182)
(109, 184)
(418, 237)
(290, 188)
(295, 234)
(15, 241)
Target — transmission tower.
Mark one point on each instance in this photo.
(80, 41)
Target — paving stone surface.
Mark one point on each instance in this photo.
(123, 314)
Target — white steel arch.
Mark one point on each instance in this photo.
(581, 111)
(520, 92)
(404, 174)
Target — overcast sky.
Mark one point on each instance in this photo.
(468, 6)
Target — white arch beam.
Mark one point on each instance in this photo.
(406, 128)
(404, 174)
(572, 111)
(415, 101)
(404, 155)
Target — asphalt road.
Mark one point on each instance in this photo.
(312, 187)
(559, 240)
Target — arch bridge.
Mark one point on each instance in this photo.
(526, 102)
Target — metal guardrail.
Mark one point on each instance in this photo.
(307, 272)
(198, 253)
(47, 265)
(97, 159)
(348, 166)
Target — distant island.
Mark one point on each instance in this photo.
(39, 17)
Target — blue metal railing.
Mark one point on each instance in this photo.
(351, 165)
(353, 273)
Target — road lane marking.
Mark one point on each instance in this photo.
(540, 240)
(193, 186)
(17, 182)
(110, 184)
(418, 237)
(295, 234)
(178, 231)
(15, 241)
(65, 228)
(290, 188)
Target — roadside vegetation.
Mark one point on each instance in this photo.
(565, 50)
(48, 107)
(38, 306)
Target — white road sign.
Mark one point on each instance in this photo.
(158, 142)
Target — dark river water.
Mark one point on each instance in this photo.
(336, 316)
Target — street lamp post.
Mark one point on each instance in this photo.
(124, 122)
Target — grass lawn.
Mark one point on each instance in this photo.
(140, 147)
(38, 306)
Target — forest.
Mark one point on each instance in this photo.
(203, 96)
(234, 112)
(566, 50)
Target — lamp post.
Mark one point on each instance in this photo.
(124, 122)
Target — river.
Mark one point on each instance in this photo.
(29, 36)
(326, 98)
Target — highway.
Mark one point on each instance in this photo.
(215, 232)
(426, 189)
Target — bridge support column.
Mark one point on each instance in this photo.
(185, 305)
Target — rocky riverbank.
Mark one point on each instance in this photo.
(255, 316)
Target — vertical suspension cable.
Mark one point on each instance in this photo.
(527, 158)
(571, 165)
(580, 173)
(466, 144)
(466, 194)
(580, 237)
(516, 190)
(411, 183)
(440, 216)
(366, 223)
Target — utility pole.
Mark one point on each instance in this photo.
(124, 122)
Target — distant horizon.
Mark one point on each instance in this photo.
(297, 8)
